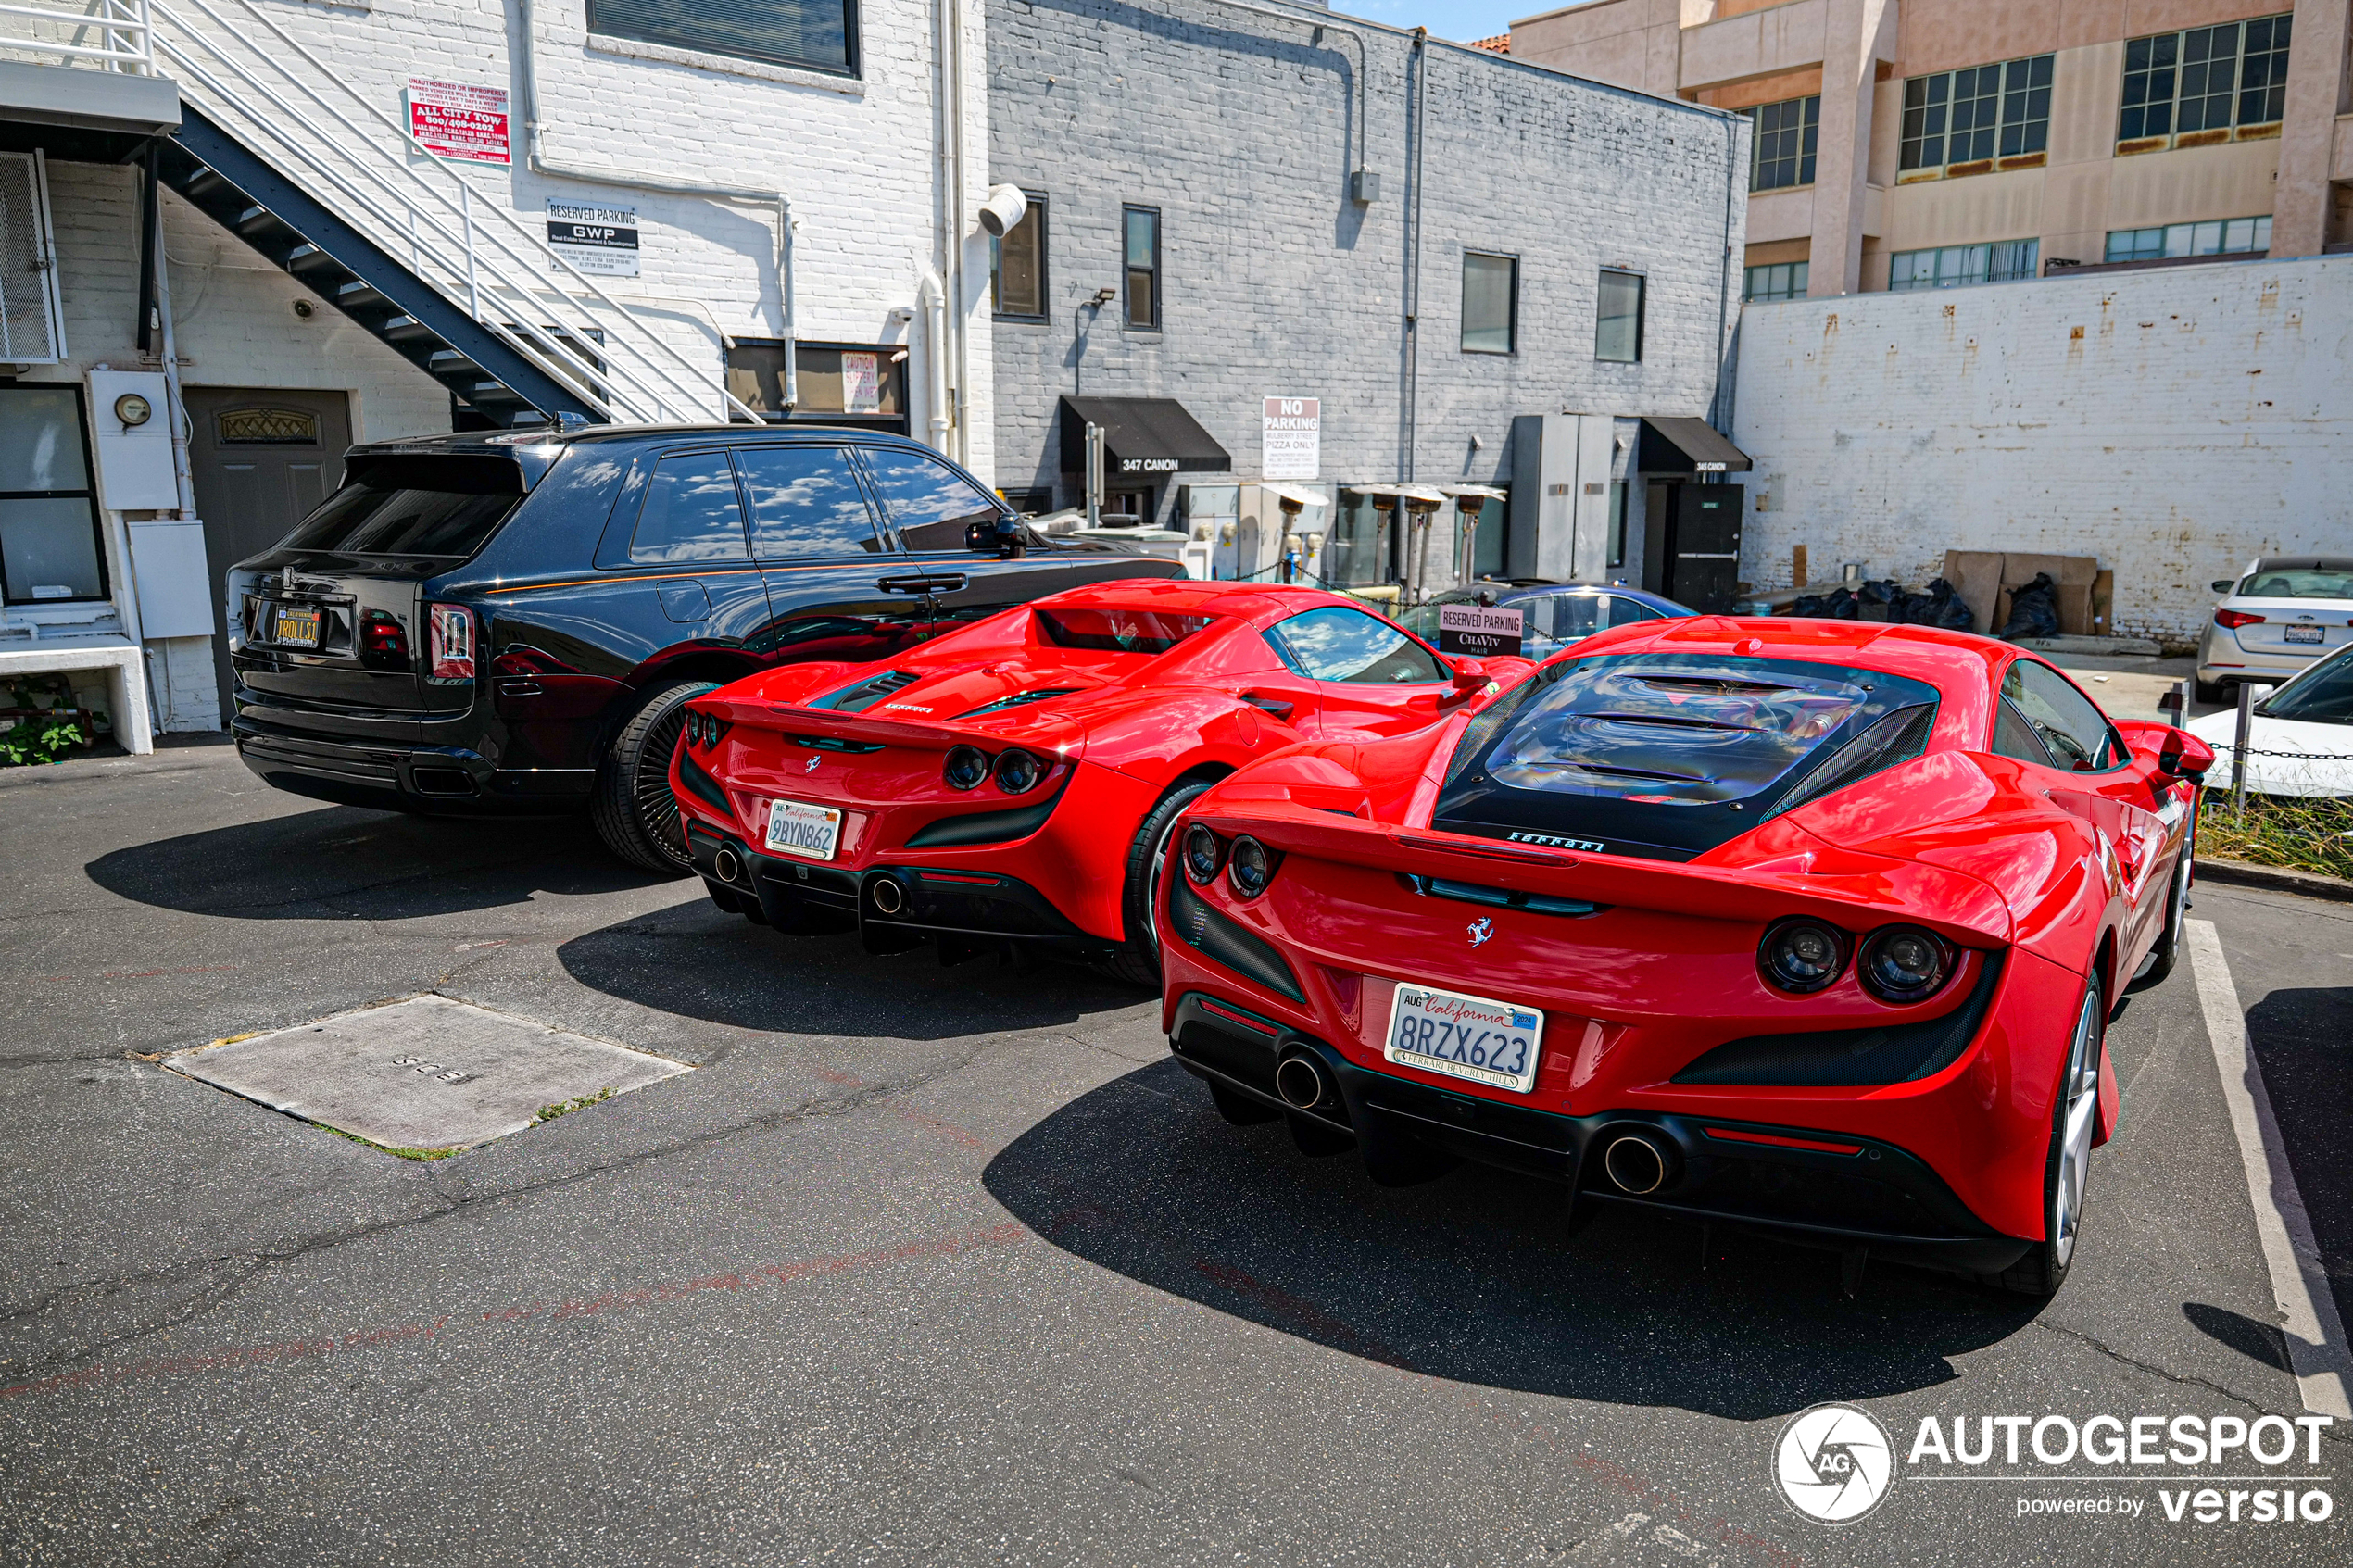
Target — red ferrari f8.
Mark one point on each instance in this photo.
(1811, 926)
(1017, 781)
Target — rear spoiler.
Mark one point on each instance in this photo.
(1871, 889)
(914, 735)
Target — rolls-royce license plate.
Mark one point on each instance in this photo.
(296, 628)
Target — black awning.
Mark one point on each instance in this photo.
(1142, 436)
(1687, 446)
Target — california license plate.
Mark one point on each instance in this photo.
(2303, 633)
(296, 628)
(795, 827)
(1474, 1037)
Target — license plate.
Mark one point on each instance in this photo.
(296, 628)
(1474, 1037)
(2303, 633)
(795, 827)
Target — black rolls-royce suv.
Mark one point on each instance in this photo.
(511, 623)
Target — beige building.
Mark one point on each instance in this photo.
(1911, 143)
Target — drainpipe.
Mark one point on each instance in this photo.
(1719, 402)
(957, 370)
(536, 157)
(1410, 423)
(932, 297)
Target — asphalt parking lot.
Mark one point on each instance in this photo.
(955, 1266)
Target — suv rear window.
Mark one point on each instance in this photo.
(1665, 755)
(402, 505)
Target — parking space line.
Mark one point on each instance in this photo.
(2315, 1333)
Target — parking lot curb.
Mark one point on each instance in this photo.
(2312, 884)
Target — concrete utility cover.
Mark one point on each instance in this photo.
(424, 1073)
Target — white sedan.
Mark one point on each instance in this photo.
(2300, 737)
(2275, 619)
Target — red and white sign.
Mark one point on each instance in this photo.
(456, 120)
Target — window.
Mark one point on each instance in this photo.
(929, 503)
(1491, 303)
(48, 507)
(1617, 527)
(2232, 236)
(805, 501)
(864, 385)
(1140, 228)
(2204, 79)
(1782, 153)
(1348, 645)
(692, 514)
(1017, 265)
(1969, 116)
(1777, 280)
(414, 506)
(2004, 261)
(2066, 723)
(1618, 324)
(813, 34)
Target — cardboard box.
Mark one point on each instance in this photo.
(1986, 580)
(1976, 575)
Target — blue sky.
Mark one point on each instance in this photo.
(1459, 20)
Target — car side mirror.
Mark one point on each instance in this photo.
(1004, 536)
(1469, 674)
(2183, 756)
(2222, 584)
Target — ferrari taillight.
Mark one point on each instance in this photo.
(2232, 620)
(449, 646)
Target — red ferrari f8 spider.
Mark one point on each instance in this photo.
(1017, 781)
(1809, 926)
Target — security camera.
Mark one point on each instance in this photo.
(1003, 210)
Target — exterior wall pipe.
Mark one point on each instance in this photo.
(933, 296)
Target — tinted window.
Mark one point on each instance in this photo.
(2322, 694)
(691, 512)
(2301, 582)
(929, 503)
(1623, 611)
(805, 501)
(1565, 618)
(2013, 736)
(413, 507)
(1338, 643)
(2063, 718)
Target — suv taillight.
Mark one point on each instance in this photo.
(449, 648)
(2232, 620)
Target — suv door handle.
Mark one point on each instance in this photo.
(928, 583)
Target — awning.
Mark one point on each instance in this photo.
(1687, 446)
(1142, 436)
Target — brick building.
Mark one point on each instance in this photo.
(1460, 268)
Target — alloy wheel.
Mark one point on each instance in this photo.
(656, 806)
(2082, 1089)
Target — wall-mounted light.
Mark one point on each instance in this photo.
(1103, 298)
(302, 308)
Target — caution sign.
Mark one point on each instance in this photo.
(1479, 631)
(456, 120)
(599, 241)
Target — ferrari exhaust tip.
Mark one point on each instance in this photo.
(1637, 1164)
(1304, 1084)
(888, 896)
(728, 864)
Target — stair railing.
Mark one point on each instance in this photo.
(57, 32)
(366, 166)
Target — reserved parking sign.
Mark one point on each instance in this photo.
(1479, 631)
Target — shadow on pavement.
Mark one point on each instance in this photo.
(2257, 1341)
(300, 866)
(698, 962)
(2301, 1042)
(1479, 1277)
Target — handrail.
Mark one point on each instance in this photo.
(122, 25)
(414, 202)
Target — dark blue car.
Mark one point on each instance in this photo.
(1554, 614)
(484, 623)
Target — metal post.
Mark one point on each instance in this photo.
(2239, 749)
(466, 207)
(2175, 703)
(1094, 475)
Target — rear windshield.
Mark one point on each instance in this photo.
(1662, 755)
(443, 506)
(1118, 630)
(2322, 694)
(2300, 582)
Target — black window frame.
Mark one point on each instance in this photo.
(88, 493)
(1127, 212)
(853, 66)
(2160, 79)
(1036, 214)
(1642, 312)
(2008, 113)
(1795, 145)
(1511, 302)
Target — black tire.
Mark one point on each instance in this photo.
(1239, 1108)
(2168, 952)
(2044, 1268)
(632, 806)
(1149, 858)
(2215, 693)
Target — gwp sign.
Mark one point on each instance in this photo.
(1290, 438)
(1479, 631)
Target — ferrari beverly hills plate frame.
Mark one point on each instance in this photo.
(1460, 1036)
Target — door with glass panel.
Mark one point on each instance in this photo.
(50, 552)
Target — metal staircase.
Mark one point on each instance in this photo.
(277, 147)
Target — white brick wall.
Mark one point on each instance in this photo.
(2174, 423)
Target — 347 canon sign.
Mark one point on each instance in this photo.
(1148, 465)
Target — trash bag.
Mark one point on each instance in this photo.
(1943, 606)
(1911, 609)
(2033, 611)
(1839, 605)
(1811, 607)
(1881, 591)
